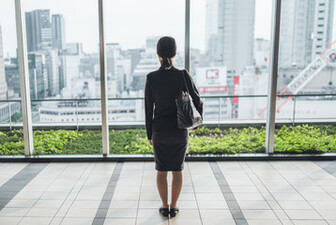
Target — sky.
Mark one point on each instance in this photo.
(127, 22)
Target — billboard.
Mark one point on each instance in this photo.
(211, 79)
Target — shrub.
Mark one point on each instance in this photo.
(88, 142)
(304, 139)
(299, 139)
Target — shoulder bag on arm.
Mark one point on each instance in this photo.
(187, 115)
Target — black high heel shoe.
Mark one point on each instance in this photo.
(164, 211)
(173, 211)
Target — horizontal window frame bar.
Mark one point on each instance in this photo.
(141, 124)
(150, 158)
(141, 98)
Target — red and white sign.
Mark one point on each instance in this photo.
(212, 89)
(211, 79)
(212, 73)
(235, 88)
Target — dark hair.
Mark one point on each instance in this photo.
(166, 49)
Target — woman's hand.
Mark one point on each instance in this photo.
(150, 142)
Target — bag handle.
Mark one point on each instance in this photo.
(184, 81)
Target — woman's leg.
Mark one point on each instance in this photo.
(162, 185)
(176, 187)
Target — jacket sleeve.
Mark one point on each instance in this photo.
(149, 106)
(194, 93)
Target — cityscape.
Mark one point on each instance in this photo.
(234, 62)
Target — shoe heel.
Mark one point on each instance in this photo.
(164, 211)
(173, 212)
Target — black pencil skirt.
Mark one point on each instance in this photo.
(170, 149)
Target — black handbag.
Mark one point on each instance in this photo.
(188, 116)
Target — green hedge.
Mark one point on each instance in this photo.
(288, 139)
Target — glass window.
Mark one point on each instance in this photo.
(132, 31)
(308, 52)
(230, 49)
(63, 59)
(64, 74)
(10, 104)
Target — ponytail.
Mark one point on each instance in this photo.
(166, 63)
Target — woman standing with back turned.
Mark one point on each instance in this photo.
(170, 143)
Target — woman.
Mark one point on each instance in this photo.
(170, 144)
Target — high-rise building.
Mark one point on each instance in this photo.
(38, 28)
(3, 83)
(261, 52)
(306, 30)
(112, 53)
(62, 70)
(230, 43)
(147, 64)
(13, 77)
(151, 42)
(58, 31)
(211, 29)
(38, 75)
(52, 62)
(72, 57)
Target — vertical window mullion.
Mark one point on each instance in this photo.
(103, 80)
(187, 36)
(272, 85)
(24, 79)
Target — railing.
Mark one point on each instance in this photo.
(216, 117)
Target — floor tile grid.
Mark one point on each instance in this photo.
(15, 213)
(81, 210)
(330, 168)
(296, 170)
(311, 167)
(107, 197)
(7, 174)
(141, 188)
(17, 183)
(234, 207)
(317, 172)
(66, 199)
(8, 170)
(71, 212)
(261, 187)
(285, 218)
(44, 220)
(193, 190)
(67, 203)
(293, 164)
(148, 193)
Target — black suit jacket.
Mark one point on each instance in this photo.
(162, 87)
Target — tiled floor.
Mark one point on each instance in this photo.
(284, 192)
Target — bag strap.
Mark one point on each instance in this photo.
(184, 81)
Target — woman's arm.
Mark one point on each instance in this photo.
(149, 105)
(194, 93)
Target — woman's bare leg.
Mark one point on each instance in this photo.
(176, 187)
(162, 185)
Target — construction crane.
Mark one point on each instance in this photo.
(306, 75)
